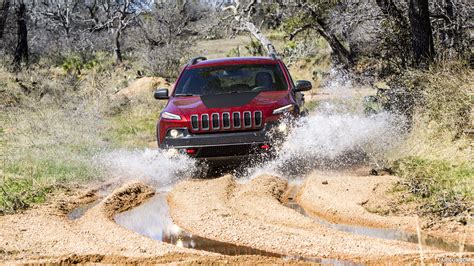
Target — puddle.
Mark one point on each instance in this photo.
(152, 219)
(81, 210)
(390, 234)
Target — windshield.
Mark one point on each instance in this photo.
(230, 79)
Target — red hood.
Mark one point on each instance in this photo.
(264, 101)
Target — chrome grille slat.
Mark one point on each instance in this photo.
(215, 121)
(205, 122)
(195, 122)
(236, 120)
(226, 120)
(258, 118)
(247, 119)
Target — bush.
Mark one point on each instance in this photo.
(441, 96)
(434, 159)
(445, 189)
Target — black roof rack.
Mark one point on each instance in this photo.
(274, 56)
(195, 60)
(272, 51)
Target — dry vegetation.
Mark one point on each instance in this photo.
(436, 158)
(56, 121)
(67, 104)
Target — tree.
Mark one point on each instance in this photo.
(21, 51)
(119, 15)
(58, 14)
(313, 15)
(422, 36)
(167, 32)
(242, 15)
(4, 14)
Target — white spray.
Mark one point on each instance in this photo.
(151, 165)
(338, 133)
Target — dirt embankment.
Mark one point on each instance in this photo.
(251, 214)
(45, 235)
(357, 198)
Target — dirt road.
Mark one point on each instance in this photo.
(251, 213)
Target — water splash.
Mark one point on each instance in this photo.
(337, 134)
(155, 166)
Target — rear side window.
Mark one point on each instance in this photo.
(231, 79)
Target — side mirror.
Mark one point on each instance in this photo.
(303, 85)
(161, 94)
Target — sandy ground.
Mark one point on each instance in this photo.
(356, 198)
(45, 235)
(251, 214)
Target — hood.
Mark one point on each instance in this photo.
(248, 100)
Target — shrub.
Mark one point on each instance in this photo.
(434, 159)
(445, 189)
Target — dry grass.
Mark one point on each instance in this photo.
(436, 157)
(55, 121)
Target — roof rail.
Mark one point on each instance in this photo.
(272, 51)
(195, 60)
(274, 56)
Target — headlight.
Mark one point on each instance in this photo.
(284, 109)
(170, 116)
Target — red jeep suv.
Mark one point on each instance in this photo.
(227, 108)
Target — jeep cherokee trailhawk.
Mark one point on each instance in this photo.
(227, 108)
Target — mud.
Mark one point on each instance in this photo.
(355, 198)
(46, 235)
(252, 214)
(383, 233)
(209, 217)
(81, 210)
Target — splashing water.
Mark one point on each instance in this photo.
(338, 133)
(154, 166)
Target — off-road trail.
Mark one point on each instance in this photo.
(151, 213)
(252, 217)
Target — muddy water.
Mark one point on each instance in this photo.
(391, 234)
(81, 210)
(152, 219)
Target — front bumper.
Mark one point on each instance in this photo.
(225, 145)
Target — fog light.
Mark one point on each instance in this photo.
(282, 128)
(174, 133)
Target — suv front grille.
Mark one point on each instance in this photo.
(226, 120)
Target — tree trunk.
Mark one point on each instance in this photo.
(4, 13)
(342, 54)
(267, 44)
(452, 37)
(118, 51)
(422, 37)
(21, 51)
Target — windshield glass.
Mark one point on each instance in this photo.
(230, 79)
